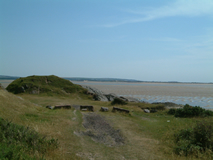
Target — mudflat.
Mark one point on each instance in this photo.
(182, 93)
(5, 83)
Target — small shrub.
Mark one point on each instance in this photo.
(189, 111)
(203, 135)
(208, 113)
(118, 101)
(197, 139)
(159, 107)
(172, 111)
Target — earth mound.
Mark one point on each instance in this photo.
(44, 84)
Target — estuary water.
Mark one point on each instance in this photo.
(179, 93)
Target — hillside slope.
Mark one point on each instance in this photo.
(44, 84)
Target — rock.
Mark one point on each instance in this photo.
(62, 106)
(97, 94)
(100, 96)
(123, 98)
(50, 107)
(104, 109)
(120, 110)
(146, 111)
(131, 99)
(111, 96)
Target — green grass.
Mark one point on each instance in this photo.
(19, 142)
(49, 85)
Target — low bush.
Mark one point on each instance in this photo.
(159, 107)
(189, 111)
(172, 111)
(17, 142)
(118, 101)
(153, 108)
(197, 139)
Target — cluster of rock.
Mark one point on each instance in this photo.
(100, 96)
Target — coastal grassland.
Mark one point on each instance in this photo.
(146, 136)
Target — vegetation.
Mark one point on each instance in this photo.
(189, 111)
(195, 140)
(118, 101)
(44, 84)
(153, 108)
(19, 142)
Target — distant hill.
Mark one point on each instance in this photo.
(2, 77)
(101, 79)
(44, 84)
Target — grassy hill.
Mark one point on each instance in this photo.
(44, 84)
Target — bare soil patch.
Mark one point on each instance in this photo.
(101, 131)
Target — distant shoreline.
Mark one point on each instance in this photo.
(4, 77)
(156, 82)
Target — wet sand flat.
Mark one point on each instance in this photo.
(5, 83)
(200, 94)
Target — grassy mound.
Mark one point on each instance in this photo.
(44, 84)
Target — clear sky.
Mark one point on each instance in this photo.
(150, 40)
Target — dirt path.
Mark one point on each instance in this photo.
(100, 130)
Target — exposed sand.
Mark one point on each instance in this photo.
(194, 94)
(166, 89)
(5, 83)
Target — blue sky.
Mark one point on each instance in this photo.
(151, 40)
